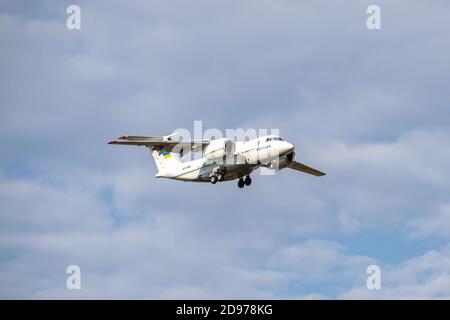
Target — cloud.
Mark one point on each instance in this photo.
(432, 224)
(423, 277)
(319, 261)
(160, 255)
(368, 108)
(27, 205)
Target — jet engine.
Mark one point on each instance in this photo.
(220, 148)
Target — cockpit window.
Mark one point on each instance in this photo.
(274, 139)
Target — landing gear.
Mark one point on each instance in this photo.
(244, 182)
(218, 174)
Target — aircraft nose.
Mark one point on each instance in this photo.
(287, 147)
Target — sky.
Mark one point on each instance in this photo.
(369, 108)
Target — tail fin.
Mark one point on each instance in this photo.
(168, 163)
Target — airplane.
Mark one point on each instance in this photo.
(223, 159)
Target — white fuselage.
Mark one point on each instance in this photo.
(247, 156)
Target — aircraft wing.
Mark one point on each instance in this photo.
(165, 143)
(304, 168)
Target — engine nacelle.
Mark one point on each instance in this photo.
(220, 148)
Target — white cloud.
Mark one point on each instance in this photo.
(29, 206)
(370, 109)
(322, 261)
(432, 224)
(423, 277)
(386, 182)
(163, 253)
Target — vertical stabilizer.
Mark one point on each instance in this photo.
(168, 163)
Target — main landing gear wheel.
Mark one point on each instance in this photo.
(220, 177)
(213, 179)
(248, 181)
(241, 183)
